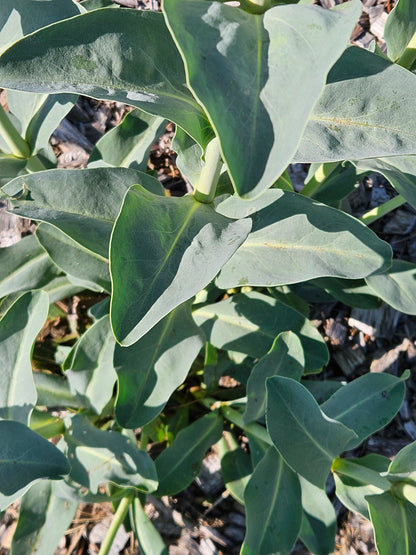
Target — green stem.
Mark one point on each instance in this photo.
(208, 180)
(15, 142)
(256, 6)
(380, 211)
(117, 521)
(321, 175)
(236, 418)
(409, 55)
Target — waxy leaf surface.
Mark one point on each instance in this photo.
(44, 518)
(251, 60)
(122, 55)
(236, 466)
(150, 370)
(163, 251)
(128, 144)
(179, 464)
(285, 358)
(394, 524)
(400, 28)
(98, 457)
(25, 265)
(249, 323)
(25, 457)
(21, 17)
(366, 404)
(305, 437)
(79, 263)
(294, 239)
(83, 204)
(351, 121)
(397, 286)
(90, 370)
(149, 538)
(399, 170)
(273, 507)
(18, 330)
(319, 520)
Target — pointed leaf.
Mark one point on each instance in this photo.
(101, 54)
(179, 464)
(39, 114)
(394, 524)
(98, 457)
(22, 17)
(25, 265)
(357, 478)
(399, 170)
(319, 520)
(253, 56)
(306, 438)
(294, 239)
(90, 370)
(87, 267)
(149, 538)
(404, 463)
(397, 286)
(18, 330)
(274, 523)
(350, 122)
(285, 358)
(400, 28)
(249, 323)
(185, 242)
(82, 203)
(43, 520)
(53, 391)
(236, 467)
(25, 457)
(366, 404)
(128, 144)
(150, 370)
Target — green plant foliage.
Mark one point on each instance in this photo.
(43, 519)
(18, 330)
(307, 439)
(285, 358)
(98, 457)
(250, 322)
(351, 404)
(89, 367)
(25, 265)
(294, 239)
(319, 519)
(155, 366)
(184, 233)
(254, 61)
(26, 457)
(270, 527)
(89, 66)
(178, 465)
(396, 286)
(178, 297)
(128, 144)
(348, 113)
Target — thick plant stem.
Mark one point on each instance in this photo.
(15, 142)
(115, 524)
(380, 211)
(409, 55)
(208, 180)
